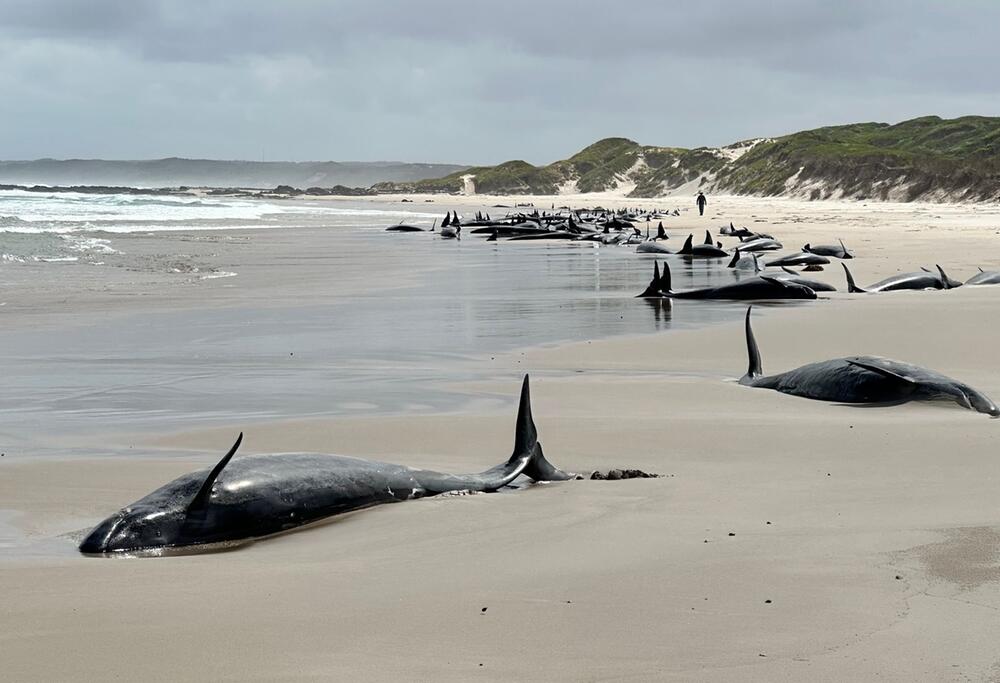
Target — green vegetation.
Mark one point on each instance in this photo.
(517, 177)
(959, 158)
(927, 157)
(597, 167)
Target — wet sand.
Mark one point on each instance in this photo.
(788, 540)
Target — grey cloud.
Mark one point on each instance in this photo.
(471, 81)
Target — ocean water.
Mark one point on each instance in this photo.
(390, 350)
(62, 212)
(67, 227)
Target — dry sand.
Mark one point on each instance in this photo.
(789, 539)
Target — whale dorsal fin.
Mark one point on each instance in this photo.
(879, 370)
(708, 237)
(653, 289)
(665, 280)
(736, 258)
(204, 494)
(686, 249)
(852, 288)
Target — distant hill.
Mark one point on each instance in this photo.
(928, 158)
(173, 172)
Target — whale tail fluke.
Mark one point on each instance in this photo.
(847, 252)
(754, 367)
(540, 469)
(946, 281)
(527, 459)
(526, 443)
(525, 433)
(852, 287)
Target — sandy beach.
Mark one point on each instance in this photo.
(787, 539)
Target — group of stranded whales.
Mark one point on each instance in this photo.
(581, 225)
(256, 496)
(619, 228)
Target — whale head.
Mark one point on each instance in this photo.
(134, 528)
(963, 395)
(173, 515)
(981, 402)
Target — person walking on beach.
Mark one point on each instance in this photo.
(701, 203)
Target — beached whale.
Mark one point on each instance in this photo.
(405, 227)
(758, 288)
(652, 247)
(985, 277)
(526, 228)
(760, 244)
(741, 261)
(706, 250)
(836, 251)
(863, 379)
(921, 279)
(803, 259)
(732, 231)
(260, 495)
(547, 235)
(791, 276)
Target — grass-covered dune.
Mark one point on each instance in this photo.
(924, 158)
(928, 157)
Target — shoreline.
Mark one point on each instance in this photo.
(646, 554)
(773, 509)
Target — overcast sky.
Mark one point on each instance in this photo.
(471, 81)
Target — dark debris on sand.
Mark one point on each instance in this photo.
(614, 475)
